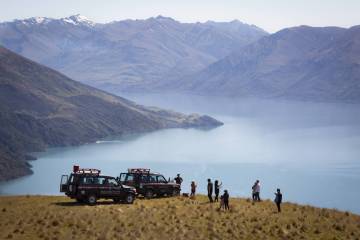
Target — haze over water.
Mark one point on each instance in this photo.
(309, 150)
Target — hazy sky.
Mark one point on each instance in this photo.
(271, 15)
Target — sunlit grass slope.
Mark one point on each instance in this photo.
(50, 217)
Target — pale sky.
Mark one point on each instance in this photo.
(271, 15)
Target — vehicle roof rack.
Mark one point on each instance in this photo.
(91, 171)
(138, 170)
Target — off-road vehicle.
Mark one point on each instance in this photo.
(149, 184)
(87, 185)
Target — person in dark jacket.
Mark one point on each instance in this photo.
(217, 187)
(210, 190)
(278, 199)
(178, 179)
(256, 191)
(226, 200)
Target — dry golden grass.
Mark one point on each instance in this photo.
(50, 217)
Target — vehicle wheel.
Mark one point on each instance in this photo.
(92, 199)
(149, 194)
(176, 192)
(130, 199)
(116, 200)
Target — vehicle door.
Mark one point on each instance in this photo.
(162, 184)
(115, 187)
(86, 185)
(64, 183)
(104, 186)
(122, 178)
(130, 180)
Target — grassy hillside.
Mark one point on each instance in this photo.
(42, 108)
(45, 217)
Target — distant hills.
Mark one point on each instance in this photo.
(126, 55)
(306, 63)
(212, 58)
(40, 107)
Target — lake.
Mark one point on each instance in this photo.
(309, 150)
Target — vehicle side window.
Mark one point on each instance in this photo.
(102, 181)
(112, 182)
(96, 180)
(152, 179)
(87, 180)
(144, 178)
(161, 179)
(130, 178)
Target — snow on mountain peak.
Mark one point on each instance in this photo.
(34, 20)
(78, 19)
(39, 19)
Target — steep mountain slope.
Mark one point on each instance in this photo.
(301, 62)
(40, 107)
(126, 55)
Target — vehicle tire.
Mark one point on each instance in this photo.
(149, 194)
(176, 192)
(116, 200)
(91, 199)
(129, 199)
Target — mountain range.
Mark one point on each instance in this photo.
(41, 108)
(126, 55)
(306, 63)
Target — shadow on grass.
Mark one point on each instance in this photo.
(77, 204)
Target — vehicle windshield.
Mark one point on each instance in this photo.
(122, 177)
(161, 179)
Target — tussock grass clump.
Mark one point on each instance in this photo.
(43, 217)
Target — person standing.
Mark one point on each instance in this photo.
(278, 199)
(178, 179)
(217, 187)
(253, 192)
(193, 189)
(226, 200)
(210, 190)
(257, 190)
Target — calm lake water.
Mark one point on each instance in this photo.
(309, 150)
